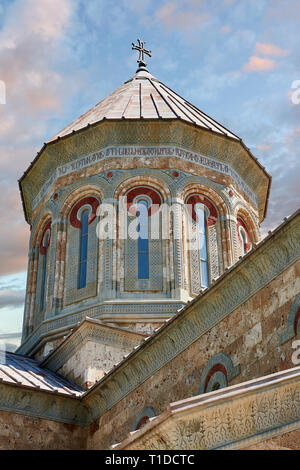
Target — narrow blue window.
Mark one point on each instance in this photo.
(202, 229)
(44, 270)
(243, 241)
(143, 240)
(83, 249)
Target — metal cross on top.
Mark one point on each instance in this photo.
(142, 51)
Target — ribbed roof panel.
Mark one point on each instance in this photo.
(143, 96)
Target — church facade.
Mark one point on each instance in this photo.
(155, 317)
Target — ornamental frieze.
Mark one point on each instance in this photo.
(143, 152)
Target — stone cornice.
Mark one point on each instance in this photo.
(235, 418)
(90, 330)
(266, 261)
(51, 328)
(42, 404)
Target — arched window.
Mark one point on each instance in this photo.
(203, 218)
(83, 248)
(218, 373)
(244, 237)
(44, 248)
(243, 240)
(202, 232)
(142, 422)
(143, 418)
(143, 247)
(82, 245)
(143, 240)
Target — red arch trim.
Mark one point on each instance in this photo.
(241, 223)
(143, 191)
(213, 370)
(142, 421)
(91, 201)
(198, 199)
(42, 247)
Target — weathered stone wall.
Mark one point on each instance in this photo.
(91, 362)
(20, 432)
(250, 336)
(288, 441)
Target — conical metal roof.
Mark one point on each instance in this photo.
(144, 96)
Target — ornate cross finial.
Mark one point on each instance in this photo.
(142, 52)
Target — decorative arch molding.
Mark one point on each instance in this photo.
(37, 236)
(89, 190)
(243, 235)
(148, 181)
(45, 242)
(223, 212)
(199, 199)
(293, 322)
(161, 176)
(217, 200)
(219, 370)
(90, 202)
(144, 416)
(154, 199)
(245, 216)
(240, 205)
(85, 193)
(125, 267)
(38, 250)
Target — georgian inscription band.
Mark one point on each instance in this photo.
(142, 151)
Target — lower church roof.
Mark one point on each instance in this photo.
(22, 371)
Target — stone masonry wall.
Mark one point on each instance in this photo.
(19, 432)
(250, 335)
(288, 441)
(91, 362)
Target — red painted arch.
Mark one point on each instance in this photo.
(213, 370)
(199, 199)
(42, 247)
(91, 201)
(143, 191)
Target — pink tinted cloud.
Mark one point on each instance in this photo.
(263, 147)
(225, 29)
(259, 64)
(270, 50)
(183, 16)
(293, 140)
(29, 45)
(14, 234)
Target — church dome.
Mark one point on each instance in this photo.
(158, 165)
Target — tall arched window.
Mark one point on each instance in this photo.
(203, 217)
(202, 231)
(143, 240)
(82, 245)
(143, 248)
(244, 237)
(83, 248)
(243, 240)
(44, 248)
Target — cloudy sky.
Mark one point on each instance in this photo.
(237, 60)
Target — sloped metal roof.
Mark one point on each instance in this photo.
(23, 371)
(143, 96)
